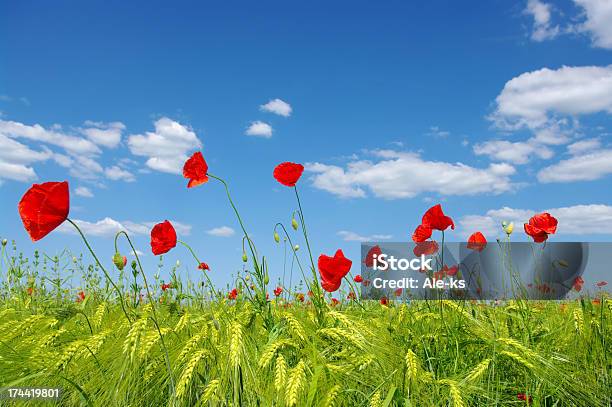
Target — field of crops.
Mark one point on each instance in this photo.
(120, 339)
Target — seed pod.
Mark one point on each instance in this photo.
(276, 237)
(294, 224)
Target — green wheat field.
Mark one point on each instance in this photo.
(223, 352)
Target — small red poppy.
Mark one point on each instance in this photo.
(351, 296)
(80, 296)
(299, 297)
(452, 271)
(524, 397)
(310, 293)
(164, 287)
(421, 233)
(601, 284)
(163, 238)
(398, 292)
(44, 207)
(373, 252)
(278, 291)
(332, 270)
(233, 294)
(540, 226)
(195, 169)
(477, 242)
(288, 173)
(426, 248)
(435, 218)
(30, 290)
(596, 301)
(578, 282)
(384, 301)
(203, 266)
(358, 278)
(438, 275)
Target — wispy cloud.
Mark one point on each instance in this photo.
(355, 237)
(221, 231)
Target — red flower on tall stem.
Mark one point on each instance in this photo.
(332, 270)
(578, 282)
(195, 169)
(421, 234)
(278, 291)
(203, 266)
(80, 296)
(44, 207)
(233, 294)
(477, 242)
(426, 248)
(373, 252)
(288, 173)
(358, 278)
(524, 397)
(435, 218)
(163, 238)
(540, 226)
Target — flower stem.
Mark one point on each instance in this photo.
(210, 284)
(103, 269)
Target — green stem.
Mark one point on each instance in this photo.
(210, 284)
(144, 277)
(102, 267)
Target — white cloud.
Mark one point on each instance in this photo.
(166, 147)
(108, 227)
(535, 99)
(514, 152)
(259, 129)
(72, 144)
(583, 146)
(578, 220)
(16, 157)
(586, 167)
(84, 192)
(404, 175)
(16, 172)
(541, 13)
(277, 106)
(222, 231)
(436, 132)
(104, 134)
(355, 237)
(117, 173)
(85, 167)
(598, 21)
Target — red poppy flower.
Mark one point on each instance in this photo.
(299, 297)
(524, 397)
(373, 252)
(195, 169)
(398, 292)
(602, 284)
(578, 282)
(384, 301)
(164, 287)
(278, 291)
(163, 238)
(351, 296)
(540, 226)
(438, 275)
(434, 218)
(310, 293)
(421, 233)
(452, 271)
(203, 266)
(332, 270)
(358, 278)
(80, 296)
(596, 301)
(426, 248)
(30, 290)
(288, 173)
(334, 302)
(477, 242)
(233, 294)
(44, 207)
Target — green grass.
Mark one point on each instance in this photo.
(434, 353)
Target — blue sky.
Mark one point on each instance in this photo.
(495, 110)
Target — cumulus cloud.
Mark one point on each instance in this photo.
(117, 173)
(84, 192)
(166, 148)
(597, 23)
(514, 152)
(16, 158)
(585, 167)
(542, 27)
(583, 146)
(533, 99)
(398, 175)
(259, 129)
(221, 231)
(277, 106)
(349, 236)
(577, 220)
(108, 227)
(104, 134)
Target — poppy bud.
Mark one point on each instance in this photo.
(4, 242)
(296, 247)
(508, 227)
(118, 261)
(276, 237)
(294, 224)
(244, 257)
(266, 279)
